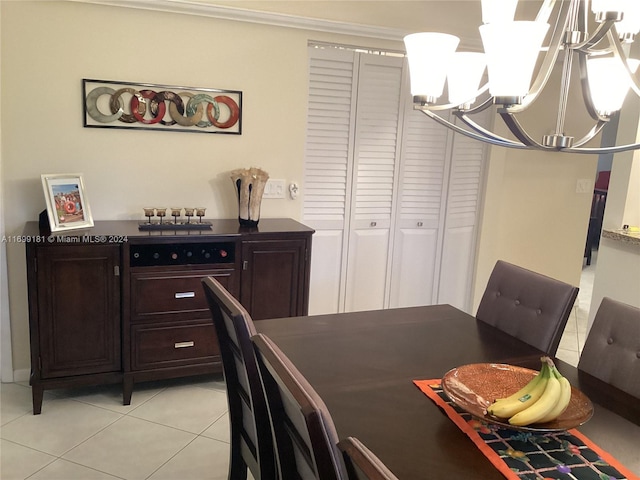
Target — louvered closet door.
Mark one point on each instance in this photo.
(464, 195)
(376, 161)
(329, 148)
(421, 209)
(393, 196)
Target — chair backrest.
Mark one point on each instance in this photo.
(305, 437)
(362, 463)
(251, 437)
(527, 305)
(612, 349)
(598, 204)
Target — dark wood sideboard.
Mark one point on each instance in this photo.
(114, 304)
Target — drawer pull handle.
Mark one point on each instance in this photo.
(185, 294)
(184, 344)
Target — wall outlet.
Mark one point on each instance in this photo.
(274, 189)
(584, 185)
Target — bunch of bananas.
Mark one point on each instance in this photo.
(541, 400)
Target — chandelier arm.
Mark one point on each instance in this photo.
(548, 63)
(545, 11)
(592, 133)
(483, 131)
(450, 106)
(604, 150)
(618, 51)
(479, 108)
(601, 31)
(514, 126)
(473, 135)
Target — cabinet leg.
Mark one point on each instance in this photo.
(127, 390)
(37, 393)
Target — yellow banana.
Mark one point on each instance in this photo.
(523, 398)
(523, 391)
(541, 407)
(563, 401)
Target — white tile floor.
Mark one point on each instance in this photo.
(172, 430)
(576, 330)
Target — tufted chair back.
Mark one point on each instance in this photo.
(527, 305)
(612, 349)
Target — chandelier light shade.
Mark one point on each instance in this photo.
(498, 11)
(520, 57)
(609, 83)
(520, 43)
(464, 77)
(432, 53)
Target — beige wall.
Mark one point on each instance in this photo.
(532, 214)
(48, 47)
(618, 266)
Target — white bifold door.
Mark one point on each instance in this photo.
(394, 197)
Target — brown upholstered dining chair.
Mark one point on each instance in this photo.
(362, 463)
(612, 349)
(527, 305)
(305, 438)
(251, 438)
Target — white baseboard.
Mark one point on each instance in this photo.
(21, 375)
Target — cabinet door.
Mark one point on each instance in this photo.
(79, 309)
(273, 278)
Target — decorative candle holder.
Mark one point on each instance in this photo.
(161, 212)
(149, 212)
(175, 213)
(188, 212)
(200, 213)
(178, 223)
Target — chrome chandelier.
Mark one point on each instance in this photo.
(511, 53)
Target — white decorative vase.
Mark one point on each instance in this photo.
(250, 183)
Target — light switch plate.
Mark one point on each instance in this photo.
(584, 185)
(274, 189)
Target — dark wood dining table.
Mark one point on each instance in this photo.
(363, 365)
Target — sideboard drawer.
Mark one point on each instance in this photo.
(160, 293)
(169, 345)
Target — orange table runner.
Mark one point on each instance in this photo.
(530, 456)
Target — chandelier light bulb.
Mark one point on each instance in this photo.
(429, 56)
(512, 50)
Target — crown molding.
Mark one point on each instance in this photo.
(191, 7)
